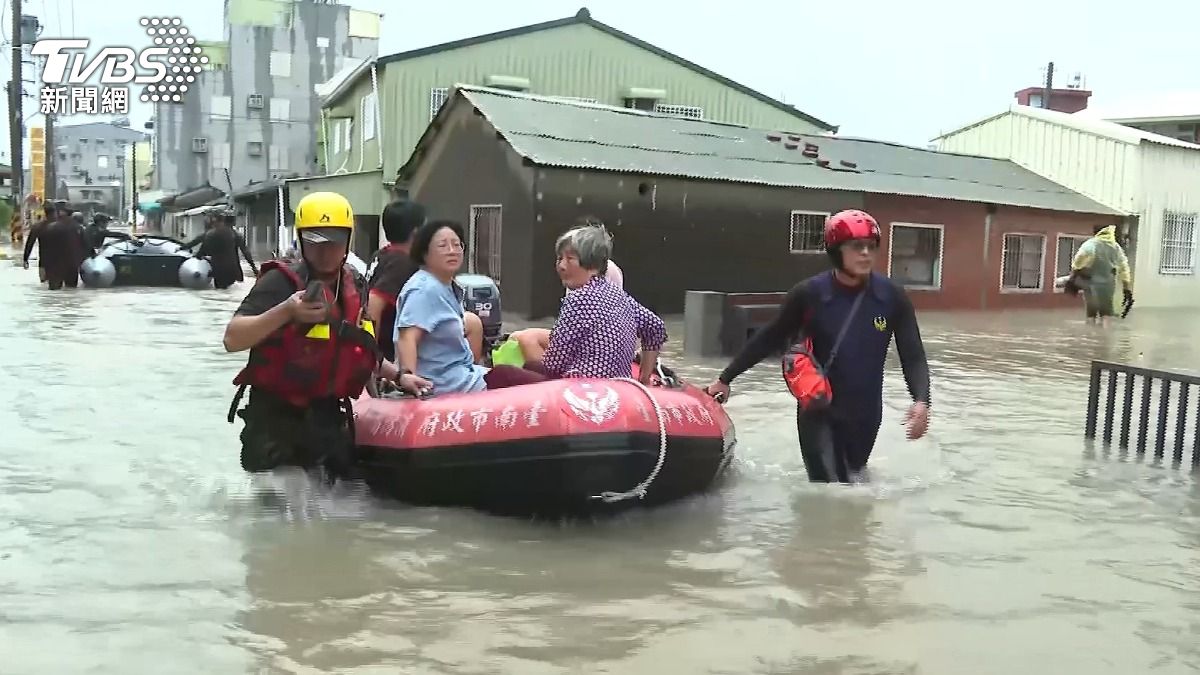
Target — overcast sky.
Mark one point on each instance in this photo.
(900, 71)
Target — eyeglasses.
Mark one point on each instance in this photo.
(449, 246)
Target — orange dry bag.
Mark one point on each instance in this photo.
(805, 376)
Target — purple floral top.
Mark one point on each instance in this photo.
(597, 332)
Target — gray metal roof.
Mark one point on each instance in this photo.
(556, 133)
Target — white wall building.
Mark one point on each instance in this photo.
(1155, 179)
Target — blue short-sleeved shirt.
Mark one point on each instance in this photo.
(443, 355)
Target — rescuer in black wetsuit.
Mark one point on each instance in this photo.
(836, 442)
(220, 244)
(62, 247)
(98, 231)
(35, 234)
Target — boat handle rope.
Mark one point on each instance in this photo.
(639, 491)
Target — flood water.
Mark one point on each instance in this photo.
(132, 542)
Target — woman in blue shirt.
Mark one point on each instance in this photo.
(429, 337)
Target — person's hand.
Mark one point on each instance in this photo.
(414, 384)
(917, 420)
(305, 312)
(718, 390)
(1128, 295)
(25, 264)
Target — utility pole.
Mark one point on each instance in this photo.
(50, 169)
(1049, 85)
(16, 92)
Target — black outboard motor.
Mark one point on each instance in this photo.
(482, 296)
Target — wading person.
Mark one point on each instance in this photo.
(44, 217)
(1100, 263)
(63, 248)
(309, 352)
(850, 315)
(220, 243)
(98, 231)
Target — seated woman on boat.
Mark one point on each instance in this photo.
(599, 325)
(429, 336)
(535, 341)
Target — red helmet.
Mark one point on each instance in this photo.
(844, 226)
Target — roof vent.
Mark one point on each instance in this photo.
(849, 165)
(790, 146)
(583, 13)
(793, 138)
(823, 163)
(774, 138)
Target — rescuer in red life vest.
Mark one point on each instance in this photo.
(851, 312)
(310, 349)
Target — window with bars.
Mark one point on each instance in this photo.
(915, 255)
(483, 240)
(1178, 252)
(367, 114)
(807, 232)
(694, 112)
(1065, 250)
(1022, 262)
(437, 98)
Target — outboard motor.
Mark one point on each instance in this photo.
(481, 295)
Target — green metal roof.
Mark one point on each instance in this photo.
(584, 17)
(556, 133)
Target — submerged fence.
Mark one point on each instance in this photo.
(1157, 387)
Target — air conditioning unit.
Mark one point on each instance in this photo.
(254, 101)
(199, 144)
(254, 148)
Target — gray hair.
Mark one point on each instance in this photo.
(591, 243)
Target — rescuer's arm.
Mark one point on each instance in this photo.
(269, 306)
(792, 315)
(911, 349)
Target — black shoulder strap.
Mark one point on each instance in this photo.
(846, 324)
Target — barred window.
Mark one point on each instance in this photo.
(807, 234)
(1178, 253)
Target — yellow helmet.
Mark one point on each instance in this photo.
(324, 216)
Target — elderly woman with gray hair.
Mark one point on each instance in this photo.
(599, 325)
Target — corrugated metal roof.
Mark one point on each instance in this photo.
(559, 133)
(1085, 123)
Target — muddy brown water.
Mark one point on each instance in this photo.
(131, 542)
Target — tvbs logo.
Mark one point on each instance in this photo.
(166, 68)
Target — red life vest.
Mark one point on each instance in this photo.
(805, 378)
(326, 361)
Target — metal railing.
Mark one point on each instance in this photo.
(1162, 397)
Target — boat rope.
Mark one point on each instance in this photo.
(639, 490)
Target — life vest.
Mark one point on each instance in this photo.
(330, 360)
(805, 377)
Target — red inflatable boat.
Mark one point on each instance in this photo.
(562, 446)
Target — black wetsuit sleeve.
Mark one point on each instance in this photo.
(241, 244)
(911, 348)
(34, 233)
(792, 315)
(271, 289)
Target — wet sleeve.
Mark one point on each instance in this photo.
(1123, 272)
(241, 244)
(792, 315)
(34, 233)
(911, 348)
(651, 330)
(575, 320)
(271, 289)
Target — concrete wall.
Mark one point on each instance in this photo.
(274, 50)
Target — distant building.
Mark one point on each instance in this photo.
(1174, 115)
(698, 205)
(375, 113)
(252, 116)
(90, 165)
(1154, 179)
